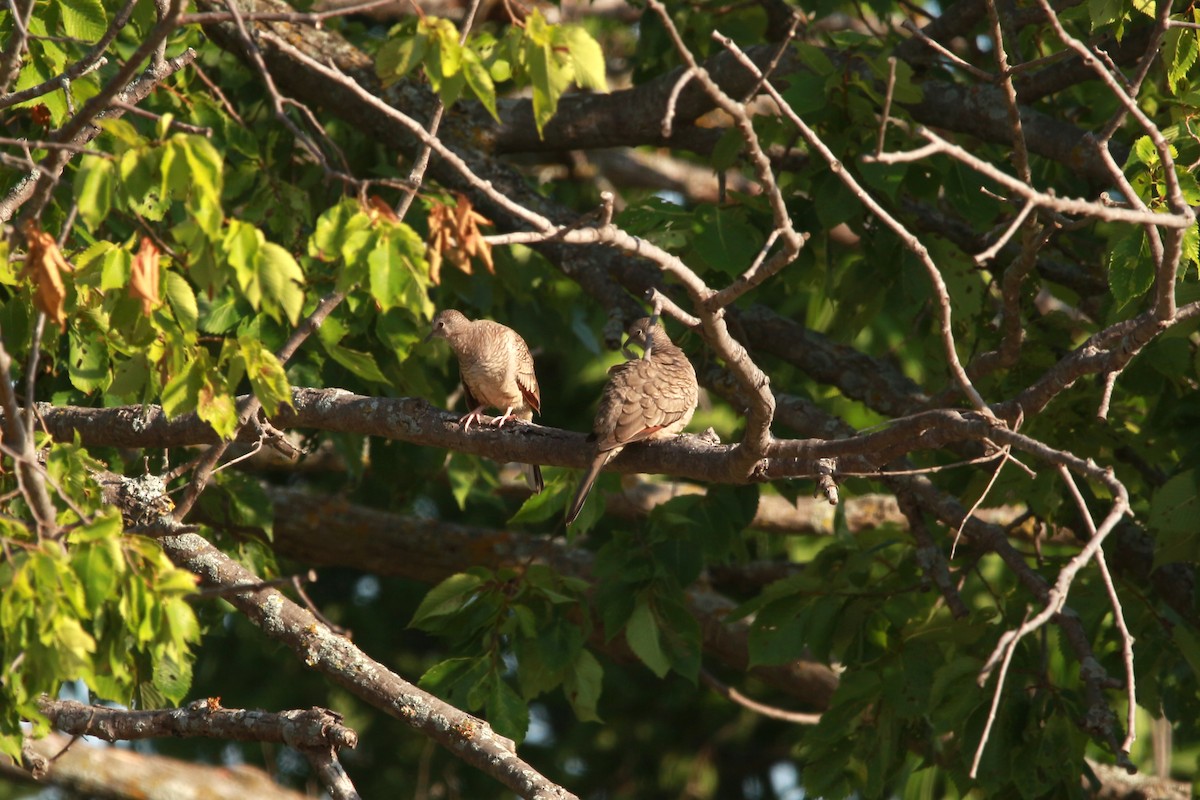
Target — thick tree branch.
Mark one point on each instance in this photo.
(87, 770)
(311, 727)
(416, 421)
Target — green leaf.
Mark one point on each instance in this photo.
(74, 646)
(1189, 186)
(777, 635)
(389, 273)
(1145, 151)
(94, 184)
(1189, 647)
(282, 280)
(1180, 49)
(641, 632)
(267, 377)
(334, 228)
(361, 364)
(506, 711)
(447, 58)
(1174, 510)
(398, 57)
(806, 93)
(680, 633)
(586, 58)
(445, 599)
(837, 202)
(176, 182)
(546, 503)
(220, 315)
(559, 643)
(88, 365)
(480, 82)
(182, 300)
(1130, 272)
(241, 244)
(118, 264)
(549, 75)
(1191, 251)
(727, 150)
(726, 242)
(239, 502)
(1105, 12)
(83, 19)
(582, 686)
(123, 131)
(100, 568)
(215, 405)
(180, 394)
(172, 679)
(139, 185)
(453, 677)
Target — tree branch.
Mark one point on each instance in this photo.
(336, 657)
(311, 727)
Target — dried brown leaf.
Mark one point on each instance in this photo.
(144, 276)
(454, 236)
(44, 266)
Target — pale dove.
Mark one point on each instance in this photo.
(496, 370)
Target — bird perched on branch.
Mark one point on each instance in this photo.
(645, 398)
(497, 372)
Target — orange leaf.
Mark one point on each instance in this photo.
(454, 236)
(377, 208)
(144, 276)
(44, 266)
(470, 240)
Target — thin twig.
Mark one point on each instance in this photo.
(887, 104)
(990, 253)
(1020, 152)
(937, 47)
(730, 693)
(1065, 205)
(1118, 612)
(1110, 382)
(673, 99)
(991, 717)
(982, 496)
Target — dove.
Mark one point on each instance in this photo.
(646, 398)
(497, 372)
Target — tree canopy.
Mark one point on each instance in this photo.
(931, 532)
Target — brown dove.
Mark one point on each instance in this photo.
(496, 370)
(645, 398)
